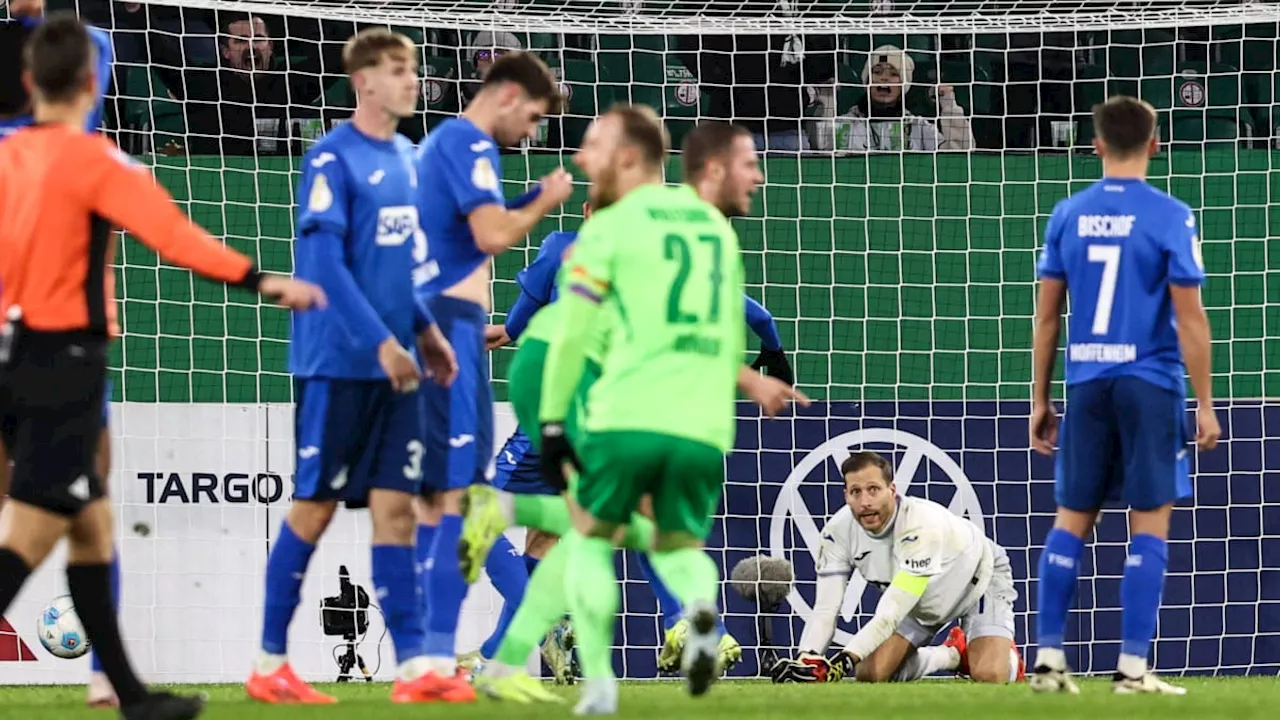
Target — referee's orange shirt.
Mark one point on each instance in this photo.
(62, 190)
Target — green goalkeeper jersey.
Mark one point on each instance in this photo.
(665, 267)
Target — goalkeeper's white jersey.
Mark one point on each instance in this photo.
(923, 538)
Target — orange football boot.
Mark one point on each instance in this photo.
(284, 687)
(434, 688)
(957, 640)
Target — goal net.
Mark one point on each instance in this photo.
(915, 152)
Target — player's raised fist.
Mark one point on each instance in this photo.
(401, 369)
(1207, 428)
(291, 293)
(557, 185)
(1044, 429)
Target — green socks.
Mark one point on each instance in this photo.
(690, 574)
(548, 513)
(543, 605)
(594, 597)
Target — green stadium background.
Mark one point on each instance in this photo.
(892, 278)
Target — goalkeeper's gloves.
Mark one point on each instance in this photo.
(556, 452)
(776, 365)
(812, 668)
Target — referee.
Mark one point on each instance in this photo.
(61, 191)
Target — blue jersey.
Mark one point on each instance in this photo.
(359, 239)
(102, 43)
(1118, 246)
(460, 171)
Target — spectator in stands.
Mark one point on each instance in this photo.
(762, 82)
(249, 103)
(486, 47)
(881, 122)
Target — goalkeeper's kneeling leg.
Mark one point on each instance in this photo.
(993, 659)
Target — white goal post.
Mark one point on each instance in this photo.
(900, 273)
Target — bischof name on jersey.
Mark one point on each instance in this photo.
(1105, 225)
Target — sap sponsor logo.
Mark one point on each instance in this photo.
(1108, 226)
(172, 488)
(396, 225)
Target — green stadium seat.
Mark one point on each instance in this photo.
(1089, 89)
(1199, 103)
(585, 98)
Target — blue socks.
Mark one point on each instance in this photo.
(395, 581)
(114, 569)
(285, 569)
(668, 604)
(510, 577)
(422, 548)
(445, 589)
(1059, 570)
(1140, 592)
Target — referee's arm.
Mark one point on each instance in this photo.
(130, 198)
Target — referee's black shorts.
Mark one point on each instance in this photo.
(51, 390)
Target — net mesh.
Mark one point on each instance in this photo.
(900, 271)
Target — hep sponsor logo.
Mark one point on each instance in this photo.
(170, 488)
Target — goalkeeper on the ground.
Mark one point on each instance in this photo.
(932, 567)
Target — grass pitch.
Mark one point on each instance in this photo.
(1207, 698)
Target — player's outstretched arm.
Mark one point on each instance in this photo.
(497, 228)
(821, 625)
(771, 358)
(770, 393)
(1195, 340)
(810, 665)
(130, 198)
(897, 601)
(1044, 344)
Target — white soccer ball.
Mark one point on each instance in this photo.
(60, 630)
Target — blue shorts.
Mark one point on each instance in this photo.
(1122, 438)
(458, 420)
(518, 471)
(354, 436)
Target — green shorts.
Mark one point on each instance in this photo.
(684, 477)
(525, 392)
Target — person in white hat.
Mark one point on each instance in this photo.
(880, 121)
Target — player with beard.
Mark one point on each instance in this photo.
(518, 464)
(467, 221)
(723, 168)
(932, 568)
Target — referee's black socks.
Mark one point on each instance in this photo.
(90, 587)
(13, 573)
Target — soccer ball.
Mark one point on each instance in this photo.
(60, 630)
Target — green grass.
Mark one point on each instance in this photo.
(1228, 698)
